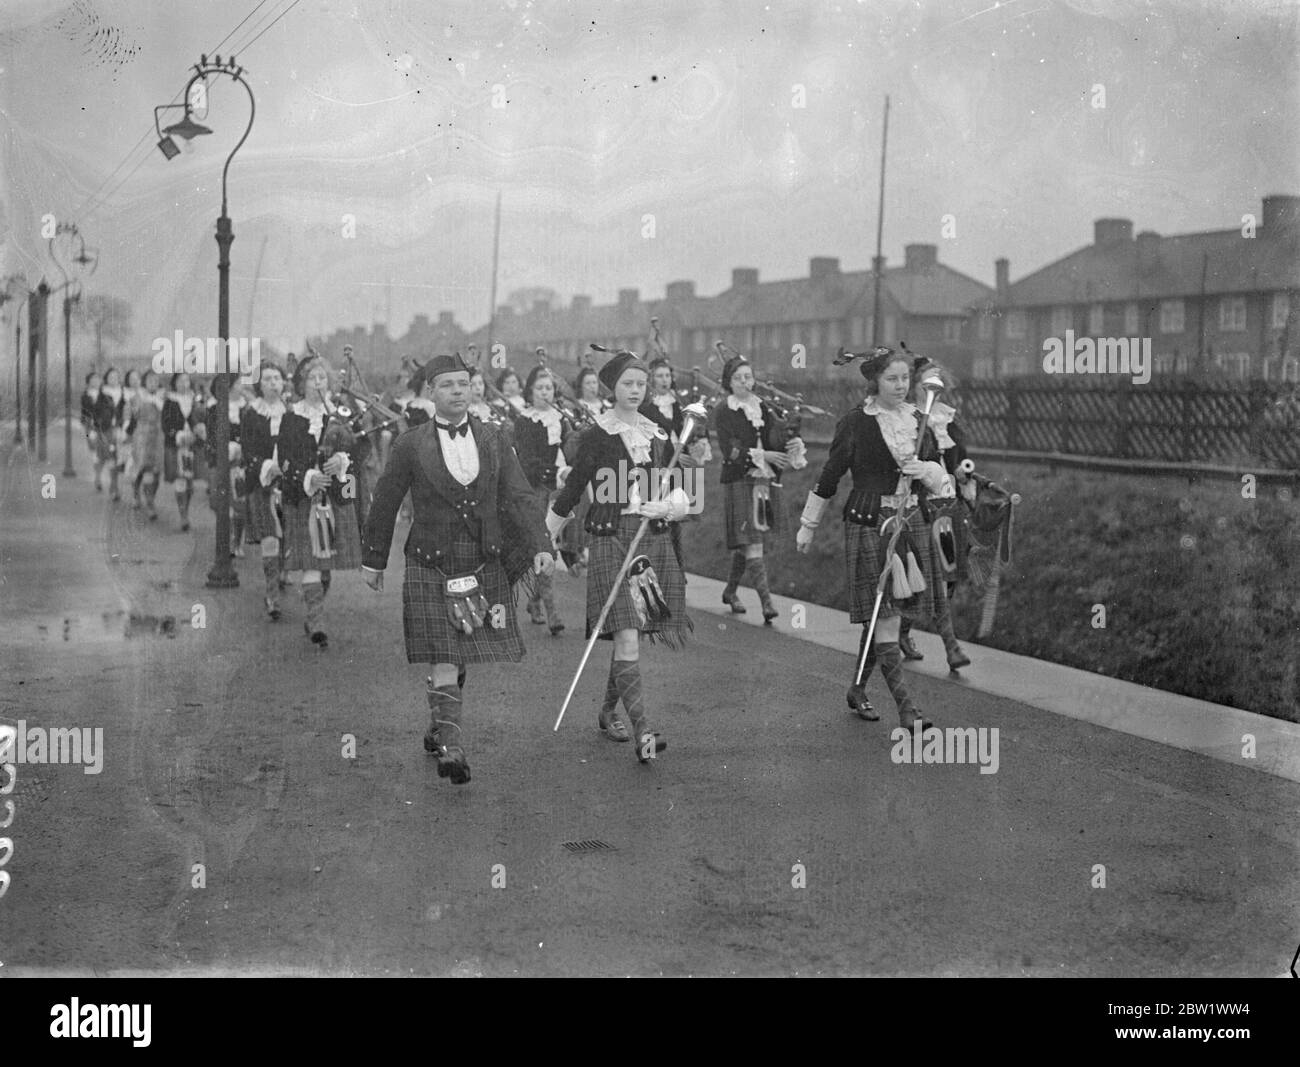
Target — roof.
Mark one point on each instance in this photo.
(1164, 267)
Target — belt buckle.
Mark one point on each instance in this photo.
(462, 585)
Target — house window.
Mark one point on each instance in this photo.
(952, 331)
(1232, 313)
(1171, 316)
(1097, 319)
(1233, 364)
(1016, 324)
(1281, 309)
(1132, 322)
(1182, 363)
(1164, 362)
(1291, 369)
(859, 328)
(834, 335)
(1062, 320)
(986, 327)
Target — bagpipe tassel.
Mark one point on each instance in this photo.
(321, 529)
(914, 577)
(898, 575)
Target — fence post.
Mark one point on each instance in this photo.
(1187, 393)
(1256, 406)
(1122, 417)
(1065, 407)
(1013, 414)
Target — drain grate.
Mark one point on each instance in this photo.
(589, 845)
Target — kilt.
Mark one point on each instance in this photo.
(574, 538)
(738, 511)
(430, 635)
(864, 549)
(172, 465)
(105, 447)
(297, 539)
(607, 556)
(261, 517)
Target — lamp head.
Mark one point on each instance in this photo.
(187, 128)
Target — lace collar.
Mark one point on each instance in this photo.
(268, 411)
(423, 403)
(941, 416)
(665, 402)
(752, 407)
(113, 392)
(550, 418)
(904, 412)
(183, 401)
(636, 436)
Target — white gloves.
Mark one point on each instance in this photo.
(804, 538)
(674, 507)
(798, 453)
(759, 459)
(562, 477)
(269, 473)
(554, 524)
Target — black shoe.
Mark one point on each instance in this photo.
(452, 764)
(906, 647)
(733, 602)
(958, 661)
(318, 637)
(185, 527)
(860, 705)
(556, 628)
(769, 614)
(643, 746)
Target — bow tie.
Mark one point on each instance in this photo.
(455, 431)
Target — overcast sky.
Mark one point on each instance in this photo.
(682, 110)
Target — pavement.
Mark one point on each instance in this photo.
(232, 831)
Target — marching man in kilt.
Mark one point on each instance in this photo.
(622, 452)
(878, 443)
(476, 533)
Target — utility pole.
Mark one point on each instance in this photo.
(496, 251)
(878, 264)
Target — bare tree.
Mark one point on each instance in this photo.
(107, 317)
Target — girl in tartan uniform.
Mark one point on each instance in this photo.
(541, 431)
(182, 419)
(952, 453)
(476, 533)
(260, 434)
(877, 443)
(622, 452)
(751, 439)
(321, 531)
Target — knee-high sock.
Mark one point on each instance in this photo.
(738, 562)
(758, 578)
(944, 623)
(313, 596)
(445, 705)
(626, 675)
(271, 572)
(871, 657)
(546, 592)
(904, 626)
(611, 692)
(891, 666)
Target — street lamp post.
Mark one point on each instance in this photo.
(83, 261)
(222, 575)
(16, 286)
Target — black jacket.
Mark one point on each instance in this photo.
(737, 435)
(497, 508)
(602, 460)
(859, 447)
(536, 454)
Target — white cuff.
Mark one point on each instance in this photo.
(372, 570)
(554, 524)
(935, 476)
(269, 472)
(813, 509)
(306, 481)
(347, 462)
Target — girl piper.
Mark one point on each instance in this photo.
(878, 443)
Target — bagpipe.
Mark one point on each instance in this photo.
(579, 415)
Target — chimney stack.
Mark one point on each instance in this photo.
(743, 277)
(1112, 231)
(680, 291)
(822, 267)
(1281, 216)
(920, 257)
(1002, 271)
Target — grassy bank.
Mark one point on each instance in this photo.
(1201, 587)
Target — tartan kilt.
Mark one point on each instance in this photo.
(863, 551)
(171, 464)
(607, 556)
(738, 511)
(105, 450)
(574, 538)
(297, 539)
(261, 516)
(430, 635)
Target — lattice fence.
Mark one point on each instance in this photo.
(1181, 421)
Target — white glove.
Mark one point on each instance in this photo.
(935, 477)
(759, 459)
(674, 507)
(234, 451)
(804, 538)
(798, 453)
(269, 473)
(561, 477)
(554, 524)
(813, 509)
(700, 451)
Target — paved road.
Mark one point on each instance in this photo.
(223, 747)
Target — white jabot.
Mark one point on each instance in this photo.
(272, 412)
(184, 402)
(113, 392)
(665, 402)
(314, 414)
(941, 416)
(550, 418)
(636, 436)
(752, 408)
(460, 453)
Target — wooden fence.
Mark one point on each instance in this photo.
(1177, 421)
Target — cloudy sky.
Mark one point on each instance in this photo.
(685, 111)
